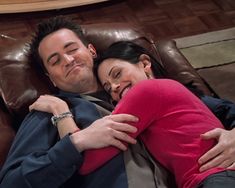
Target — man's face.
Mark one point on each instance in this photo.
(68, 61)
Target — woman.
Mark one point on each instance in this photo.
(111, 72)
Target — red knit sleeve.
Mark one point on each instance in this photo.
(143, 101)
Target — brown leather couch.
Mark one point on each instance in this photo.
(20, 85)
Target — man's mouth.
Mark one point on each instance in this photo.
(77, 66)
(124, 91)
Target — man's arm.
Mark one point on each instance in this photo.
(222, 154)
(223, 109)
(36, 159)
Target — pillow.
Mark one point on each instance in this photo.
(20, 86)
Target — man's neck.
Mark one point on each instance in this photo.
(93, 89)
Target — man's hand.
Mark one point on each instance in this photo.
(107, 131)
(221, 155)
(50, 104)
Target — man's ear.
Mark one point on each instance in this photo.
(92, 50)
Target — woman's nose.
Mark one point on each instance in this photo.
(115, 87)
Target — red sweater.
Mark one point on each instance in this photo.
(171, 120)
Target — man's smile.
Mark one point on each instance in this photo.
(73, 68)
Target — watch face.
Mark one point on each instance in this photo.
(54, 120)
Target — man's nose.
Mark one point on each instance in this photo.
(68, 59)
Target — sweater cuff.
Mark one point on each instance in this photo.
(65, 155)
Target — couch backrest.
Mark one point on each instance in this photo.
(20, 85)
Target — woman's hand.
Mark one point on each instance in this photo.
(108, 131)
(50, 104)
(223, 153)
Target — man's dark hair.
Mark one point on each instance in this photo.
(45, 28)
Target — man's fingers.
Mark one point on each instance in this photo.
(124, 137)
(212, 163)
(122, 118)
(118, 144)
(31, 107)
(124, 127)
(215, 133)
(225, 164)
(232, 166)
(119, 137)
(212, 153)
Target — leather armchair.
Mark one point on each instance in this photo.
(20, 85)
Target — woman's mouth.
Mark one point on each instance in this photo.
(124, 91)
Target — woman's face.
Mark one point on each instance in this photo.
(118, 76)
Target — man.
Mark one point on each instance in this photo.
(37, 158)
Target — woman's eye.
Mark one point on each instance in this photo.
(117, 74)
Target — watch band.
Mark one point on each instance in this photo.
(56, 118)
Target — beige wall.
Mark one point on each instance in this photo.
(15, 6)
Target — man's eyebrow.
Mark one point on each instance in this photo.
(69, 44)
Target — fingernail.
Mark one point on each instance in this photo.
(135, 129)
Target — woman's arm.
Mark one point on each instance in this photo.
(108, 131)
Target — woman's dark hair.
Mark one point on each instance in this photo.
(129, 51)
(45, 28)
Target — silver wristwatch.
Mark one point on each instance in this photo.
(56, 118)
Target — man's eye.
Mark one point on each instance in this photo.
(54, 61)
(71, 51)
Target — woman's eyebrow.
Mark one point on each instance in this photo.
(111, 70)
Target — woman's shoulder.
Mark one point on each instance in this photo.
(161, 83)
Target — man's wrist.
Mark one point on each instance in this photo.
(56, 118)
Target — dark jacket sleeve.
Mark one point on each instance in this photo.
(223, 109)
(37, 158)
